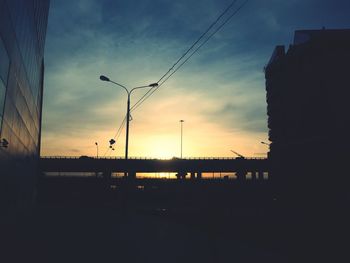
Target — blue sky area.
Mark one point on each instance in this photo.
(219, 92)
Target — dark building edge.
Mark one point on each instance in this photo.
(308, 116)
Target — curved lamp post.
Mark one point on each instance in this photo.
(153, 85)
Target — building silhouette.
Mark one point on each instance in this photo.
(22, 38)
(308, 88)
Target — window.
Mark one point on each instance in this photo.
(4, 68)
(2, 100)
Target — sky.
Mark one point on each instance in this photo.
(219, 92)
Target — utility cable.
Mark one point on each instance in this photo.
(183, 55)
(151, 91)
(206, 40)
(199, 39)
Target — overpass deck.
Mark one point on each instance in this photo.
(188, 165)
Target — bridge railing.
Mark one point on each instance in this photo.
(149, 158)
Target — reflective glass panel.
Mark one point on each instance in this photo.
(2, 100)
(4, 62)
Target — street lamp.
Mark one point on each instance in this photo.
(153, 85)
(268, 144)
(181, 121)
(96, 143)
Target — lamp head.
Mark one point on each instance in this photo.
(104, 78)
(153, 85)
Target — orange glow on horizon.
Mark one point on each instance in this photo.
(155, 133)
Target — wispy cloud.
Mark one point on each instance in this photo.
(220, 92)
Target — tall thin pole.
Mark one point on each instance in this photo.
(181, 121)
(127, 127)
(96, 143)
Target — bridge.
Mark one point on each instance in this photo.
(195, 166)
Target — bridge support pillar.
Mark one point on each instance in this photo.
(132, 175)
(253, 175)
(193, 175)
(107, 175)
(181, 175)
(199, 175)
(241, 175)
(261, 175)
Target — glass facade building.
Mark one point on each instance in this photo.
(23, 26)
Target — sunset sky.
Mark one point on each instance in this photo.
(219, 92)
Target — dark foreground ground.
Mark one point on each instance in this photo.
(87, 221)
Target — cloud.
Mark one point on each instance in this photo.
(238, 117)
(219, 91)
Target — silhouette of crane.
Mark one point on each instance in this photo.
(240, 156)
(241, 173)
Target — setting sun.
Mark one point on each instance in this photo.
(163, 147)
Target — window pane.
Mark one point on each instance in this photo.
(4, 62)
(2, 100)
(2, 97)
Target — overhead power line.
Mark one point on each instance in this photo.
(206, 40)
(183, 55)
(199, 39)
(151, 91)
